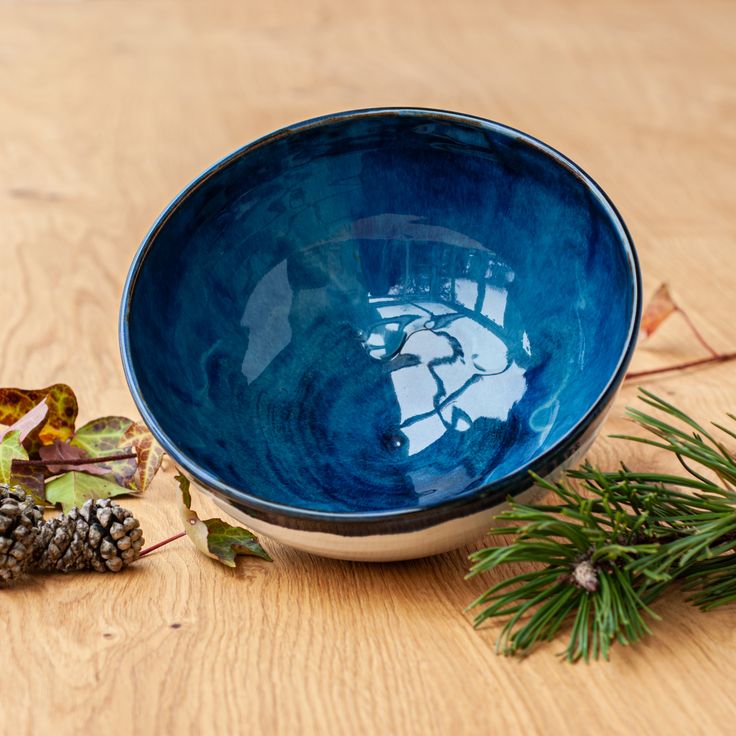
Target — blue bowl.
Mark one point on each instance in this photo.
(361, 332)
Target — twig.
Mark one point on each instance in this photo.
(717, 358)
(74, 461)
(714, 355)
(162, 543)
(696, 332)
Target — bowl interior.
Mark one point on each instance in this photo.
(378, 312)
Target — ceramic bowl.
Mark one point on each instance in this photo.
(361, 332)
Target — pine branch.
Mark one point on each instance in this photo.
(615, 542)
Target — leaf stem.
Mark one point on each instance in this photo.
(716, 358)
(156, 546)
(75, 461)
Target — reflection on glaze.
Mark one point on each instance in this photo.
(447, 369)
(266, 317)
(433, 341)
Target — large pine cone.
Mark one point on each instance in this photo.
(20, 519)
(101, 535)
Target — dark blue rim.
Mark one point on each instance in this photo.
(359, 524)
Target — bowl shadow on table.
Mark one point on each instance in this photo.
(436, 582)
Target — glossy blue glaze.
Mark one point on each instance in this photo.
(378, 312)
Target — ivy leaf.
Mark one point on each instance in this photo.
(31, 480)
(103, 436)
(74, 488)
(661, 306)
(214, 537)
(225, 542)
(10, 449)
(149, 452)
(60, 452)
(62, 411)
(28, 422)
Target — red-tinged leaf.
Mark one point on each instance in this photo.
(28, 422)
(103, 436)
(62, 412)
(10, 449)
(661, 306)
(214, 537)
(57, 455)
(31, 480)
(149, 452)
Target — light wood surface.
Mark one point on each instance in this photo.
(107, 108)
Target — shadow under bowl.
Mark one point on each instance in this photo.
(361, 332)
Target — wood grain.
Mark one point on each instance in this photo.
(107, 109)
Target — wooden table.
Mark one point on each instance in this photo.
(107, 109)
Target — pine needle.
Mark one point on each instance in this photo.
(615, 542)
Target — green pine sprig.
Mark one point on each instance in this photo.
(597, 559)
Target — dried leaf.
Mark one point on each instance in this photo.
(103, 436)
(61, 452)
(62, 411)
(28, 422)
(10, 449)
(214, 537)
(661, 306)
(74, 488)
(149, 452)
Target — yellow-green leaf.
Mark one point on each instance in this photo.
(28, 422)
(214, 537)
(10, 449)
(74, 488)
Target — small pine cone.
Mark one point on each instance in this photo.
(20, 520)
(585, 575)
(101, 535)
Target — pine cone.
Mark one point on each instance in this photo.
(101, 535)
(20, 519)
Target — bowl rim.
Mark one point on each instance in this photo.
(482, 497)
